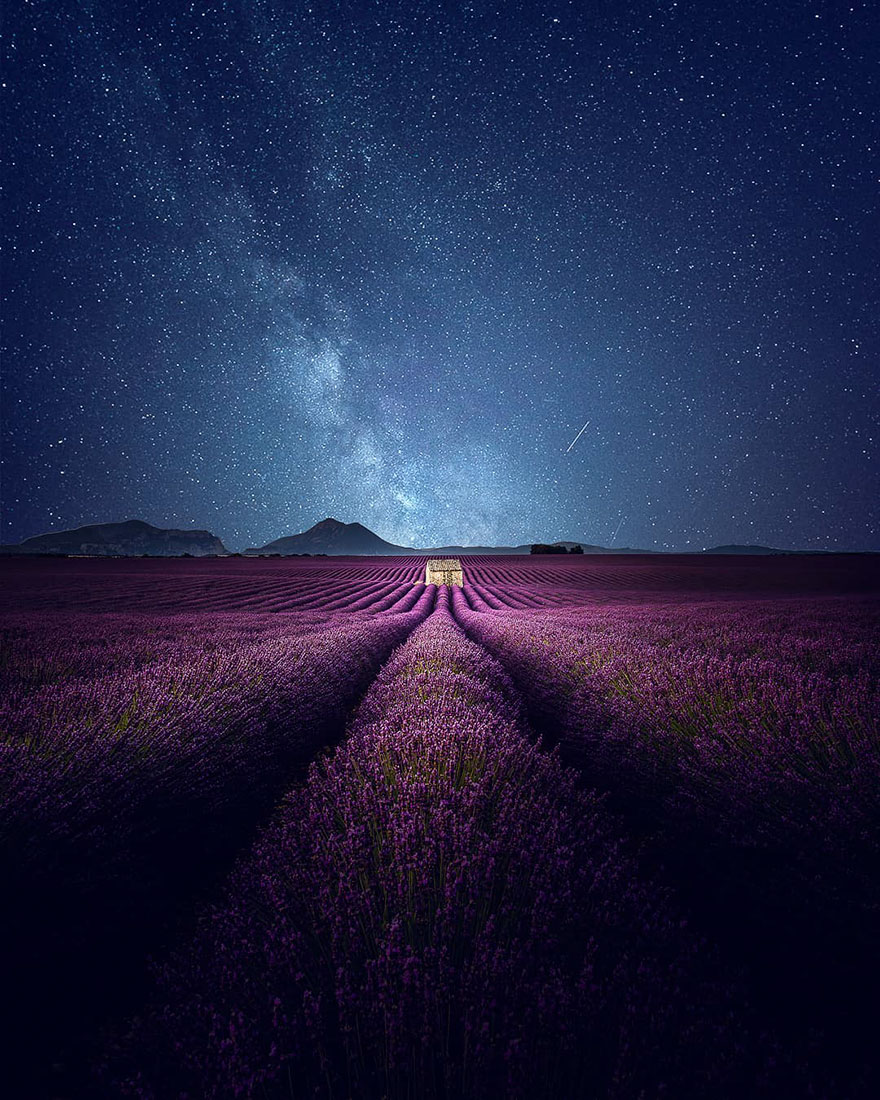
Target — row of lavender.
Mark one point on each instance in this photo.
(441, 912)
(136, 753)
(298, 585)
(738, 741)
(744, 741)
(204, 585)
(760, 719)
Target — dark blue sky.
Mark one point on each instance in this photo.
(268, 262)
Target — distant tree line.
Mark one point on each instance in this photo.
(555, 548)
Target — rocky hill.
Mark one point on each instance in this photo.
(330, 536)
(738, 548)
(128, 539)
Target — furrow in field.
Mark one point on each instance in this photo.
(124, 793)
(743, 742)
(438, 912)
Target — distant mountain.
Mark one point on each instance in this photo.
(333, 537)
(523, 548)
(330, 536)
(457, 551)
(737, 548)
(128, 539)
(590, 548)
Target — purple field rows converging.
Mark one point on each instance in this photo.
(598, 827)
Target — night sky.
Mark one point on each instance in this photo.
(268, 262)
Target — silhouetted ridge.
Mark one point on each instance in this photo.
(130, 538)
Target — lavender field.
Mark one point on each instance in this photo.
(591, 827)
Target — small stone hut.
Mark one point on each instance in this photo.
(444, 571)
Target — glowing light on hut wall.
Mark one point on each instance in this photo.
(444, 571)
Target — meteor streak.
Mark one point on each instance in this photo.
(577, 437)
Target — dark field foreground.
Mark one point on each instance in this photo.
(590, 827)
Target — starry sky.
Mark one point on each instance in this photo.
(268, 261)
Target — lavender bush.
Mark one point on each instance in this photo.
(742, 741)
(169, 586)
(760, 719)
(122, 790)
(442, 909)
(440, 912)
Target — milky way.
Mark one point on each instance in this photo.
(269, 262)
